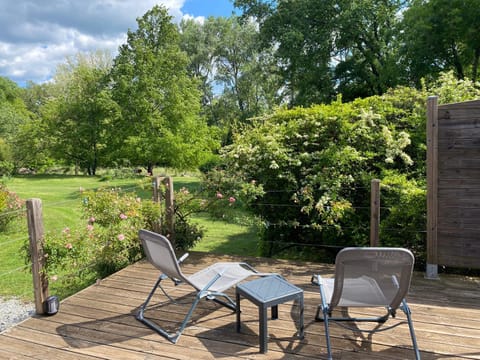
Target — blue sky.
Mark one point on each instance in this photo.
(208, 7)
(38, 35)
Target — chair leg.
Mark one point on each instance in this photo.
(172, 337)
(326, 313)
(327, 333)
(408, 313)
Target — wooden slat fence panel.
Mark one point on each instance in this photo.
(455, 183)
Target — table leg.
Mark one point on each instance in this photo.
(300, 323)
(274, 312)
(237, 310)
(263, 329)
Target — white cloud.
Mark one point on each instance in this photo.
(37, 35)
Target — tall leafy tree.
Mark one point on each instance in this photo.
(199, 41)
(441, 35)
(13, 115)
(81, 114)
(13, 111)
(301, 31)
(238, 77)
(160, 101)
(366, 47)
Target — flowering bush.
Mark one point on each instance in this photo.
(10, 206)
(109, 239)
(186, 233)
(228, 192)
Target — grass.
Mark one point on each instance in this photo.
(225, 238)
(61, 197)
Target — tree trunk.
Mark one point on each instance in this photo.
(457, 63)
(475, 65)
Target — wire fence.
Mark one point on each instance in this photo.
(15, 264)
(15, 267)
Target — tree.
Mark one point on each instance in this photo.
(367, 46)
(81, 115)
(13, 115)
(329, 47)
(160, 102)
(301, 31)
(199, 42)
(13, 111)
(441, 35)
(238, 78)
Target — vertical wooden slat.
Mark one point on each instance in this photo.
(375, 213)
(36, 232)
(432, 187)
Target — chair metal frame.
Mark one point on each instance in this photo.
(335, 289)
(170, 269)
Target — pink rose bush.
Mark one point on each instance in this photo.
(107, 242)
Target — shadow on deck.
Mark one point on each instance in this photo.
(99, 322)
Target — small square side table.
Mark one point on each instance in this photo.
(265, 292)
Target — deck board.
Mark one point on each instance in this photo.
(99, 322)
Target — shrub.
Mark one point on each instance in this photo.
(10, 206)
(108, 241)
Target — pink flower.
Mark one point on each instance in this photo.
(89, 227)
(121, 237)
(69, 246)
(91, 220)
(54, 277)
(66, 230)
(219, 195)
(123, 216)
(231, 200)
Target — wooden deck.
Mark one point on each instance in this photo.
(99, 323)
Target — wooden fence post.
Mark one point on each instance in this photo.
(36, 232)
(375, 213)
(158, 198)
(157, 194)
(170, 208)
(432, 187)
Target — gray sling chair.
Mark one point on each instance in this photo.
(367, 277)
(209, 283)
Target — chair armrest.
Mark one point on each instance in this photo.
(182, 258)
(316, 279)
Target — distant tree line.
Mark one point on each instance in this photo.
(175, 94)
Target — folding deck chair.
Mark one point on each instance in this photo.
(209, 283)
(367, 277)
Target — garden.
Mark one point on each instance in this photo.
(272, 151)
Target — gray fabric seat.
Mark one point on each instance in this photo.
(210, 282)
(367, 277)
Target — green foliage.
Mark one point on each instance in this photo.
(10, 207)
(81, 115)
(224, 54)
(160, 103)
(404, 223)
(441, 35)
(313, 166)
(450, 89)
(187, 234)
(109, 240)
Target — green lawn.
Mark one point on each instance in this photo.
(61, 197)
